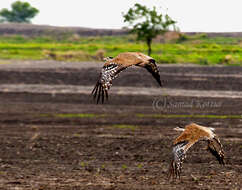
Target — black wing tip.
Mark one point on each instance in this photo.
(160, 83)
(218, 156)
(155, 74)
(216, 151)
(157, 78)
(222, 162)
(99, 93)
(174, 171)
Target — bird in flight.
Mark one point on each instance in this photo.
(113, 66)
(190, 135)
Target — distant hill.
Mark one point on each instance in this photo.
(38, 30)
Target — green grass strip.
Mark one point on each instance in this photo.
(73, 115)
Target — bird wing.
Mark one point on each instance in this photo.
(108, 73)
(113, 66)
(150, 65)
(179, 154)
(192, 134)
(216, 149)
(152, 68)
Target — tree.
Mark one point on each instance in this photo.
(147, 23)
(21, 12)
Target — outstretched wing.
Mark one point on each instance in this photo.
(108, 73)
(216, 149)
(114, 66)
(152, 68)
(179, 154)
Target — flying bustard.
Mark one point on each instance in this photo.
(113, 66)
(190, 135)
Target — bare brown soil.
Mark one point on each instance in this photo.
(109, 146)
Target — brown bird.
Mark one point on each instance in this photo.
(190, 135)
(113, 66)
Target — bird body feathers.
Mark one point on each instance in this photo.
(192, 134)
(127, 59)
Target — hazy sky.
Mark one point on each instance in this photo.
(191, 15)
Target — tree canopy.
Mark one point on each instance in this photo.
(147, 23)
(20, 12)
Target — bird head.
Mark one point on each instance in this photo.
(178, 129)
(107, 58)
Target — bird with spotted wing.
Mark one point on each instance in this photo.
(113, 66)
(190, 135)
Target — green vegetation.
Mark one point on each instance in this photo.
(73, 115)
(83, 164)
(20, 12)
(139, 166)
(147, 23)
(124, 166)
(198, 49)
(123, 126)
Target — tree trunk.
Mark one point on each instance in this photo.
(149, 46)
